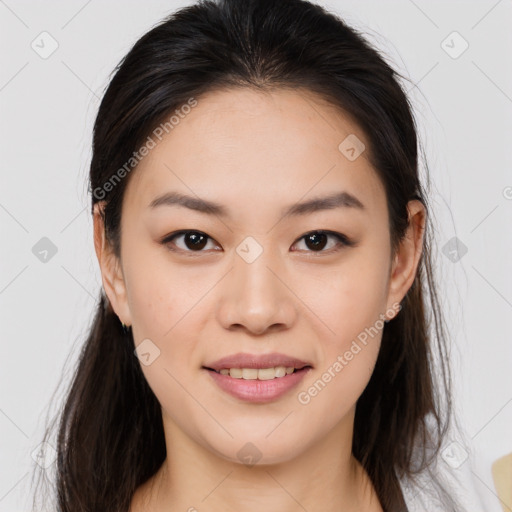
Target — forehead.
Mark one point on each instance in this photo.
(251, 149)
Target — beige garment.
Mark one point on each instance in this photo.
(502, 476)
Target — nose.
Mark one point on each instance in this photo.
(255, 297)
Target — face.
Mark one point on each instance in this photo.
(250, 277)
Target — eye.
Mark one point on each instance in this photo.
(191, 241)
(316, 241)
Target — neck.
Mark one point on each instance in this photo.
(325, 476)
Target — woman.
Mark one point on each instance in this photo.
(262, 340)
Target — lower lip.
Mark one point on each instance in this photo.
(258, 391)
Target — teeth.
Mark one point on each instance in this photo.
(249, 373)
(258, 373)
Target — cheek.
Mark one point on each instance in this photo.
(351, 304)
(353, 295)
(348, 354)
(163, 305)
(159, 294)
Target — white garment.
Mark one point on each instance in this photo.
(460, 483)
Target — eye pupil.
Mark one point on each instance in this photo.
(197, 240)
(317, 240)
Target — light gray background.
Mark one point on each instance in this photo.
(464, 109)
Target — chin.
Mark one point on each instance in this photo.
(258, 451)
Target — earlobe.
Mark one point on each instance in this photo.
(110, 267)
(408, 254)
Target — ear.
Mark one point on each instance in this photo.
(407, 257)
(110, 267)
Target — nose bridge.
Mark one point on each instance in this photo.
(252, 273)
(254, 296)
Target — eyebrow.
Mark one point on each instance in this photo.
(336, 200)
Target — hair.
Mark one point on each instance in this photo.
(110, 433)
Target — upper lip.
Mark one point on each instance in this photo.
(242, 360)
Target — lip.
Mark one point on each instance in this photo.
(258, 391)
(243, 360)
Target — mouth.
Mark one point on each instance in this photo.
(258, 385)
(257, 378)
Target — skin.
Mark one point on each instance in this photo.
(256, 153)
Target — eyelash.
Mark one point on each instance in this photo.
(343, 241)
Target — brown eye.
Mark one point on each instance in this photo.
(191, 241)
(316, 241)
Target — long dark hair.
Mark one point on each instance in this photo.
(110, 434)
